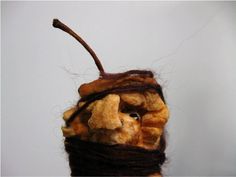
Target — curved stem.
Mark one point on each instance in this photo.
(57, 24)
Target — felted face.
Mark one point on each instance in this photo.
(133, 118)
(126, 110)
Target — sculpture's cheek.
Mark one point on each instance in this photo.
(127, 134)
(151, 135)
(156, 119)
(152, 128)
(68, 131)
(77, 127)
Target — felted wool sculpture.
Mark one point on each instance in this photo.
(117, 128)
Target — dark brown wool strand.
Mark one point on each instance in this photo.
(88, 158)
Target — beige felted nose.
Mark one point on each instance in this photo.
(105, 113)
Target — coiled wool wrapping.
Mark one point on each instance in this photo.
(95, 159)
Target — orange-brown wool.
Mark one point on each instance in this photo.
(112, 120)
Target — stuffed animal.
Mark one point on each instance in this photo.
(117, 128)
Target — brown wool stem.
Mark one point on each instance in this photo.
(58, 24)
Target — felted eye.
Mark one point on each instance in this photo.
(134, 115)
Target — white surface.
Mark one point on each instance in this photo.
(190, 45)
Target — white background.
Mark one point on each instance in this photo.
(190, 45)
